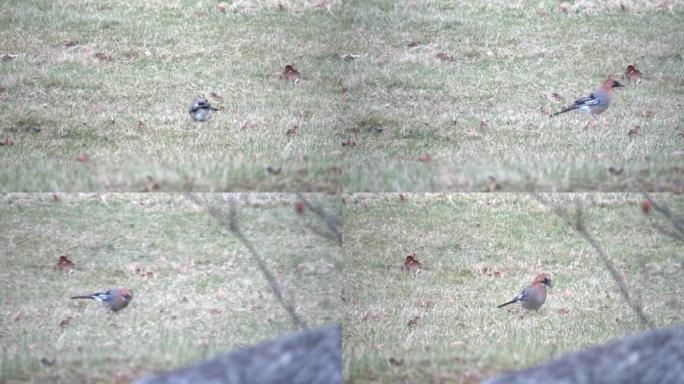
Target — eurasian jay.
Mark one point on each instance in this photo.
(115, 299)
(597, 102)
(200, 109)
(412, 264)
(534, 295)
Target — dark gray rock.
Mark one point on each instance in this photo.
(652, 357)
(312, 356)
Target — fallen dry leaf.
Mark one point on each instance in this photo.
(273, 171)
(633, 74)
(83, 158)
(615, 171)
(395, 362)
(444, 57)
(413, 44)
(103, 56)
(151, 185)
(292, 131)
(349, 143)
(425, 158)
(7, 142)
(634, 131)
(215, 96)
(65, 264)
(65, 322)
(7, 56)
(299, 207)
(413, 322)
(646, 207)
(71, 43)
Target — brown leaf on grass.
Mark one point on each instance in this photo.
(151, 185)
(71, 43)
(483, 125)
(55, 197)
(444, 57)
(472, 377)
(273, 171)
(646, 207)
(221, 7)
(492, 185)
(65, 264)
(83, 158)
(634, 131)
(7, 56)
(103, 56)
(299, 207)
(412, 264)
(546, 111)
(335, 169)
(7, 142)
(615, 171)
(563, 311)
(123, 377)
(556, 96)
(413, 322)
(65, 322)
(141, 124)
(349, 143)
(425, 158)
(290, 73)
(292, 131)
(395, 362)
(633, 74)
(413, 44)
(47, 362)
(215, 96)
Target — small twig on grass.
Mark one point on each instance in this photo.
(677, 223)
(578, 224)
(233, 226)
(333, 223)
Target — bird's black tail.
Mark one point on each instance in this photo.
(82, 297)
(567, 109)
(505, 304)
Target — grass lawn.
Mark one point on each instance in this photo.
(455, 96)
(197, 292)
(478, 251)
(109, 83)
